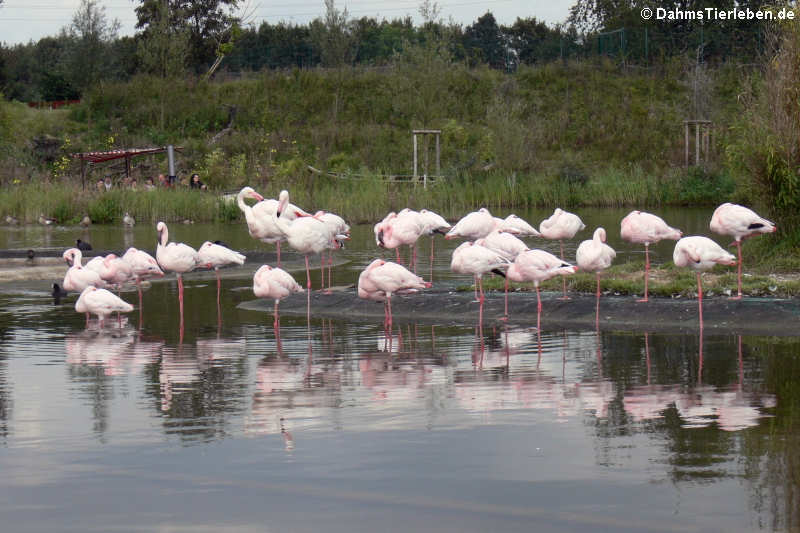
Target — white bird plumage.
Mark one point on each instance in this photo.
(101, 302)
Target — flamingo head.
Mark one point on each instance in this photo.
(161, 229)
(380, 238)
(283, 201)
(600, 234)
(69, 256)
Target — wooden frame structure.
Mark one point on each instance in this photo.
(92, 158)
(702, 140)
(437, 134)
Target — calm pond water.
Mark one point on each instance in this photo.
(134, 428)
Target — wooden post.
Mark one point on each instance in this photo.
(438, 157)
(696, 143)
(686, 143)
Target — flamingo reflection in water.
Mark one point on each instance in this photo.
(117, 352)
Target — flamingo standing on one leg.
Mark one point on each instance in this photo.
(176, 257)
(646, 228)
(398, 230)
(594, 255)
(214, 256)
(143, 265)
(307, 235)
(700, 253)
(101, 302)
(472, 258)
(339, 231)
(740, 223)
(537, 266)
(275, 283)
(559, 226)
(433, 223)
(509, 247)
(259, 226)
(390, 278)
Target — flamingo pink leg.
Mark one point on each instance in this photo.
(505, 283)
(322, 271)
(538, 309)
(563, 278)
(646, 271)
(431, 273)
(330, 271)
(700, 300)
(389, 314)
(397, 254)
(180, 295)
(414, 256)
(276, 323)
(308, 275)
(739, 272)
(597, 304)
(278, 246)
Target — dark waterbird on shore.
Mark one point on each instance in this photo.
(82, 245)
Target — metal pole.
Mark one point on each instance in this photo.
(171, 161)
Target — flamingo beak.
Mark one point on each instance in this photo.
(258, 196)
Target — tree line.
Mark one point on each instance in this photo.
(179, 37)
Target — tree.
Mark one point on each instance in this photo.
(485, 42)
(208, 24)
(90, 36)
(332, 36)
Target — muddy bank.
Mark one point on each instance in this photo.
(750, 316)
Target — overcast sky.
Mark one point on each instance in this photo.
(25, 20)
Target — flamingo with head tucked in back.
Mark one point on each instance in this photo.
(509, 247)
(559, 226)
(474, 225)
(214, 256)
(144, 266)
(646, 228)
(700, 253)
(594, 255)
(175, 257)
(101, 302)
(275, 283)
(740, 223)
(381, 279)
(538, 266)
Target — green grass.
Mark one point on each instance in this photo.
(666, 281)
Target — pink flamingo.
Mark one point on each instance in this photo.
(79, 277)
(475, 225)
(259, 227)
(401, 229)
(645, 228)
(518, 226)
(115, 271)
(263, 212)
(700, 253)
(176, 257)
(472, 258)
(509, 247)
(215, 256)
(101, 302)
(384, 278)
(432, 224)
(594, 255)
(538, 266)
(307, 235)
(559, 226)
(143, 266)
(740, 223)
(275, 283)
(339, 231)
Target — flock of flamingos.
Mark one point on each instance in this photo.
(492, 245)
